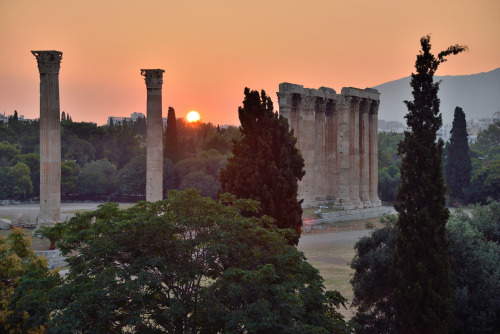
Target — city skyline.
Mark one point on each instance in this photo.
(212, 50)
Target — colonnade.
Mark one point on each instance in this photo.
(337, 136)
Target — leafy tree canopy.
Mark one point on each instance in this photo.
(474, 256)
(188, 264)
(266, 165)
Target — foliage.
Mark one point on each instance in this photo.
(488, 139)
(53, 233)
(77, 149)
(131, 178)
(372, 282)
(475, 271)
(486, 183)
(15, 182)
(8, 151)
(33, 162)
(171, 149)
(266, 165)
(24, 282)
(474, 254)
(188, 264)
(423, 298)
(389, 179)
(458, 163)
(69, 177)
(97, 177)
(206, 184)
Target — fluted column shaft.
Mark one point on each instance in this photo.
(373, 120)
(343, 163)
(354, 151)
(154, 135)
(364, 154)
(49, 63)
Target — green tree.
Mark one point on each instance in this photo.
(423, 298)
(33, 162)
(458, 165)
(15, 182)
(132, 177)
(69, 177)
(266, 165)
(372, 283)
(474, 254)
(171, 149)
(8, 152)
(188, 264)
(485, 183)
(206, 184)
(24, 283)
(488, 139)
(97, 177)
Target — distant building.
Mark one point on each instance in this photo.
(132, 119)
(390, 126)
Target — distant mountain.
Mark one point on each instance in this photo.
(477, 94)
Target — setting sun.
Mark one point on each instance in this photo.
(193, 116)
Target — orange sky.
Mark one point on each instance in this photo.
(211, 50)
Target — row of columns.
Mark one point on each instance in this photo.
(337, 136)
(49, 64)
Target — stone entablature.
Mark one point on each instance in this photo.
(337, 136)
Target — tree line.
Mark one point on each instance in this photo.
(471, 171)
(111, 160)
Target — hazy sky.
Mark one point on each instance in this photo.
(211, 50)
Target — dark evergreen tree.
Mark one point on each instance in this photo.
(171, 143)
(458, 165)
(63, 116)
(266, 165)
(423, 298)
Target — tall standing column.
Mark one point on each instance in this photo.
(49, 63)
(354, 151)
(154, 135)
(343, 163)
(373, 119)
(364, 156)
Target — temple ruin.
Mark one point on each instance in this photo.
(337, 136)
(154, 135)
(49, 63)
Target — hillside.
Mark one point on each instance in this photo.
(477, 94)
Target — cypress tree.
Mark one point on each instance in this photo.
(171, 142)
(458, 166)
(423, 298)
(266, 165)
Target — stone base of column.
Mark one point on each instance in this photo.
(376, 202)
(356, 202)
(367, 204)
(46, 220)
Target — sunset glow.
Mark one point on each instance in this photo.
(227, 46)
(193, 116)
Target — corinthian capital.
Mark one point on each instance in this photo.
(49, 62)
(153, 78)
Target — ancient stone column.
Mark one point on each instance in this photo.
(49, 63)
(354, 152)
(343, 163)
(331, 151)
(154, 135)
(373, 120)
(364, 156)
(321, 186)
